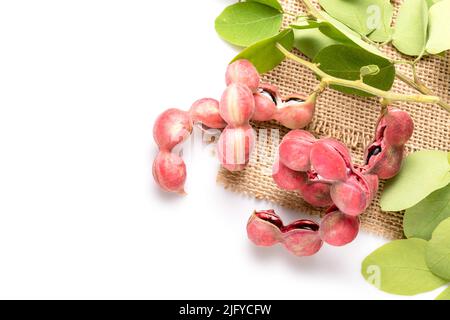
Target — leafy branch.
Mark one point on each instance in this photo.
(327, 80)
(414, 83)
(340, 47)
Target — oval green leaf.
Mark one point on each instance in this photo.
(399, 267)
(331, 31)
(439, 27)
(271, 3)
(410, 35)
(421, 220)
(310, 40)
(337, 30)
(422, 173)
(345, 62)
(438, 250)
(445, 295)
(245, 23)
(334, 33)
(264, 54)
(370, 18)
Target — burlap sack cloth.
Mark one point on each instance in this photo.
(352, 120)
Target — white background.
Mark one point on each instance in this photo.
(81, 83)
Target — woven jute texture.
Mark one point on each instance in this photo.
(347, 118)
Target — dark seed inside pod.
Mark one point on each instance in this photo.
(297, 100)
(271, 217)
(373, 151)
(302, 225)
(268, 94)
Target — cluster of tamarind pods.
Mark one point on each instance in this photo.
(320, 170)
(244, 99)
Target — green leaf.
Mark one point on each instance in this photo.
(423, 172)
(345, 62)
(337, 30)
(367, 17)
(421, 220)
(410, 35)
(439, 27)
(399, 267)
(271, 3)
(264, 54)
(438, 250)
(310, 41)
(334, 33)
(245, 23)
(445, 295)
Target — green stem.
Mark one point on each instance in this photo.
(416, 83)
(357, 84)
(312, 10)
(290, 14)
(412, 83)
(421, 88)
(412, 64)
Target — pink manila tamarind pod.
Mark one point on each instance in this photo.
(169, 172)
(267, 99)
(295, 148)
(354, 195)
(264, 228)
(234, 147)
(338, 229)
(171, 128)
(236, 107)
(316, 193)
(242, 72)
(350, 190)
(330, 159)
(206, 111)
(286, 178)
(301, 237)
(330, 175)
(384, 157)
(294, 111)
